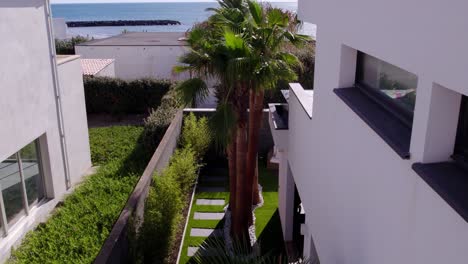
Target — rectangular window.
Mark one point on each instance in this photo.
(21, 184)
(461, 142)
(394, 87)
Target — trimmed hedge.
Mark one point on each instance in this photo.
(79, 227)
(117, 96)
(158, 120)
(67, 46)
(167, 199)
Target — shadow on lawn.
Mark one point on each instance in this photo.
(271, 238)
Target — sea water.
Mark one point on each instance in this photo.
(187, 13)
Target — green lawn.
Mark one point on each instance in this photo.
(268, 227)
(78, 228)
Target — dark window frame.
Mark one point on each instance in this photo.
(386, 102)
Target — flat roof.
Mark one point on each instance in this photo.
(141, 39)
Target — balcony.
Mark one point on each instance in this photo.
(279, 114)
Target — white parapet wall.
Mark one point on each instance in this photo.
(60, 28)
(74, 115)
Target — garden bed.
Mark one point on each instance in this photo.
(267, 225)
(77, 229)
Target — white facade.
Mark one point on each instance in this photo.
(364, 204)
(29, 111)
(136, 59)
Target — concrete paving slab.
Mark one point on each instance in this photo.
(191, 251)
(208, 216)
(210, 202)
(205, 232)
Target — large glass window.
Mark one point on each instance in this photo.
(21, 184)
(461, 143)
(395, 84)
(32, 173)
(10, 180)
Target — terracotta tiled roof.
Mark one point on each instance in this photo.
(93, 66)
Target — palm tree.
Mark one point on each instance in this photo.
(241, 46)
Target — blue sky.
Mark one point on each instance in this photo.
(140, 1)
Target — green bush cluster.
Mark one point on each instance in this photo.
(67, 46)
(117, 96)
(167, 197)
(197, 134)
(79, 227)
(162, 216)
(161, 117)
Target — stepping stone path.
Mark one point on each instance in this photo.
(208, 216)
(205, 232)
(211, 182)
(191, 251)
(215, 202)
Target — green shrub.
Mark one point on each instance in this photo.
(110, 143)
(183, 168)
(158, 120)
(67, 46)
(117, 96)
(196, 133)
(161, 219)
(79, 227)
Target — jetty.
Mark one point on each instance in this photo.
(117, 23)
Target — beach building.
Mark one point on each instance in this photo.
(139, 54)
(44, 148)
(373, 161)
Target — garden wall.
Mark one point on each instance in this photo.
(116, 246)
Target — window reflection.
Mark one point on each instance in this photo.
(391, 81)
(10, 182)
(32, 173)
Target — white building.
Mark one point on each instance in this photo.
(44, 148)
(139, 54)
(371, 151)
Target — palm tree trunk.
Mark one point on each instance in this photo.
(256, 192)
(255, 114)
(241, 215)
(231, 154)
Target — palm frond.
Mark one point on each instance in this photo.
(192, 91)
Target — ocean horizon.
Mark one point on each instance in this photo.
(187, 13)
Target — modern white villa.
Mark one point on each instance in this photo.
(44, 148)
(378, 151)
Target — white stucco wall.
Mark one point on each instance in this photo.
(364, 204)
(74, 115)
(132, 62)
(27, 105)
(59, 27)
